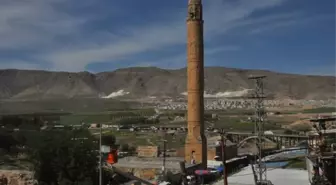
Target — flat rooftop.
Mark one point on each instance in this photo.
(142, 162)
(213, 142)
(172, 163)
(329, 131)
(331, 118)
(278, 176)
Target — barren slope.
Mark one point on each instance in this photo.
(150, 81)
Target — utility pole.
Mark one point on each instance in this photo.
(164, 153)
(319, 153)
(223, 146)
(164, 157)
(254, 174)
(100, 155)
(259, 96)
(163, 168)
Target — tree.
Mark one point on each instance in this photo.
(288, 131)
(65, 158)
(19, 138)
(132, 121)
(6, 141)
(124, 147)
(109, 140)
(173, 179)
(13, 121)
(44, 163)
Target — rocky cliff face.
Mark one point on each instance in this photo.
(16, 177)
(149, 81)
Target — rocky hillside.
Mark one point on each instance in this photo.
(17, 177)
(150, 81)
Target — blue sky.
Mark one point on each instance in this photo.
(294, 36)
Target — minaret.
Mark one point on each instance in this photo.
(196, 146)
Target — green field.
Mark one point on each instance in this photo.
(297, 164)
(237, 124)
(149, 138)
(209, 112)
(320, 110)
(72, 105)
(104, 117)
(312, 111)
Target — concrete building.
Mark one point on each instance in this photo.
(150, 168)
(223, 103)
(148, 151)
(215, 149)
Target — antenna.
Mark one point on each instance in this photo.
(260, 171)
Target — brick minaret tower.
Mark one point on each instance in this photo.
(195, 147)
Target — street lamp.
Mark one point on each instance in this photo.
(223, 145)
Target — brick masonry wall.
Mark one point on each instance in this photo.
(146, 174)
(148, 151)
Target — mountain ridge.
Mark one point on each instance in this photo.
(153, 81)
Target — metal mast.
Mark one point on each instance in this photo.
(223, 146)
(260, 168)
(320, 154)
(100, 156)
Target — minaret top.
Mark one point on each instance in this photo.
(195, 10)
(195, 2)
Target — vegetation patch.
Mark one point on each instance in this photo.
(297, 164)
(237, 124)
(106, 117)
(320, 110)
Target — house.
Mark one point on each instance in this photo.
(215, 149)
(93, 125)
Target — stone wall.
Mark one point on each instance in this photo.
(152, 173)
(143, 173)
(16, 177)
(211, 153)
(148, 151)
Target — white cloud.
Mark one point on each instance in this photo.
(287, 20)
(214, 50)
(273, 26)
(21, 64)
(147, 38)
(221, 16)
(155, 36)
(38, 23)
(179, 61)
(34, 23)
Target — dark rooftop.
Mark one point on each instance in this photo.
(323, 119)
